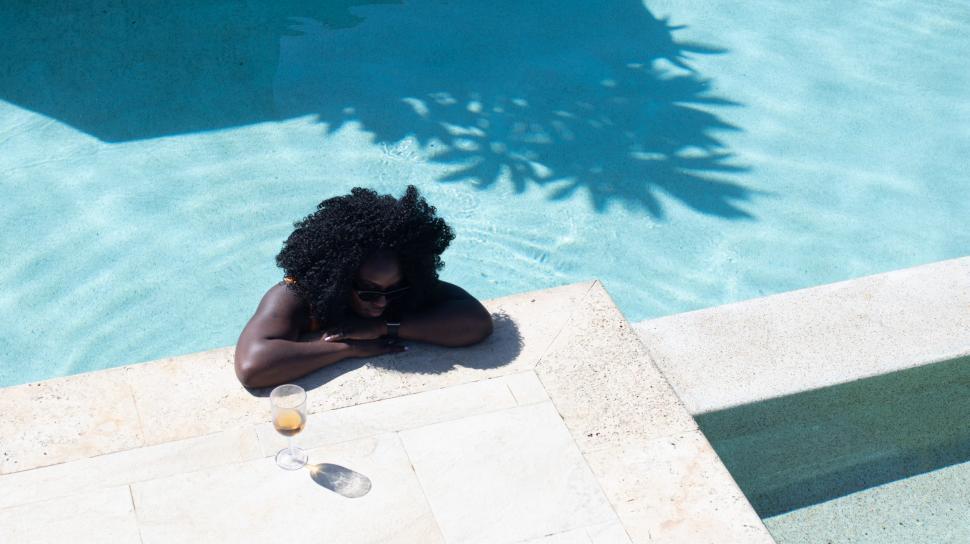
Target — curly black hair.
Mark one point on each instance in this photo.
(328, 246)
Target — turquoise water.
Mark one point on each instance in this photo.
(152, 161)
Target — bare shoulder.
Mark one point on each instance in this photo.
(281, 314)
(450, 291)
(281, 299)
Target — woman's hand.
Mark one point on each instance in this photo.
(356, 328)
(373, 348)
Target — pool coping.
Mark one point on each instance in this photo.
(657, 470)
(721, 357)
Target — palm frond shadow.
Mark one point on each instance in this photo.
(567, 97)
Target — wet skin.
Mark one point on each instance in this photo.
(275, 348)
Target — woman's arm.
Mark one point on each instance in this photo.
(455, 319)
(270, 352)
(458, 319)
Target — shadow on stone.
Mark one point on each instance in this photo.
(341, 480)
(499, 349)
(803, 449)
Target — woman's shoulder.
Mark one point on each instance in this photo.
(443, 290)
(283, 300)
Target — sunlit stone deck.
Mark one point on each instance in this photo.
(558, 429)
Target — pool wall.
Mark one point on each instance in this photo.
(841, 410)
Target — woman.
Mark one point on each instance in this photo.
(361, 273)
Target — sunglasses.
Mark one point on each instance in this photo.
(369, 295)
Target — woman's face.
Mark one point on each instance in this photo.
(379, 272)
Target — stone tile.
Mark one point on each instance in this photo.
(192, 395)
(813, 338)
(394, 414)
(98, 516)
(66, 419)
(526, 388)
(258, 502)
(197, 394)
(505, 476)
(535, 319)
(576, 536)
(525, 325)
(603, 383)
(124, 467)
(675, 489)
(606, 533)
(609, 533)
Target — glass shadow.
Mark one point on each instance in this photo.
(798, 450)
(341, 480)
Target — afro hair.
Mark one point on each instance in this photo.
(326, 248)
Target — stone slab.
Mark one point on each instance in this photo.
(603, 382)
(526, 388)
(609, 533)
(66, 419)
(124, 467)
(525, 325)
(97, 516)
(606, 533)
(506, 476)
(192, 395)
(812, 338)
(256, 501)
(205, 383)
(675, 489)
(562, 376)
(394, 414)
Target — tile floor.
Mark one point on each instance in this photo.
(556, 430)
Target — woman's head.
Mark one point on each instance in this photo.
(358, 244)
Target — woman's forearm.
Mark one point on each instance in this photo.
(454, 323)
(271, 362)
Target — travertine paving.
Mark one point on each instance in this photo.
(556, 430)
(758, 349)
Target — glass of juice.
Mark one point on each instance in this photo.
(289, 418)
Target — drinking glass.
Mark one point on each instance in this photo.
(289, 418)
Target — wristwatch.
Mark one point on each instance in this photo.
(392, 327)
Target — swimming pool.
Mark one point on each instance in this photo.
(881, 459)
(152, 162)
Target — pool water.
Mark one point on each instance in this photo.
(880, 459)
(152, 161)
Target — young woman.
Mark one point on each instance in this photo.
(361, 274)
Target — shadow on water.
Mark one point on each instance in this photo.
(590, 97)
(123, 71)
(803, 449)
